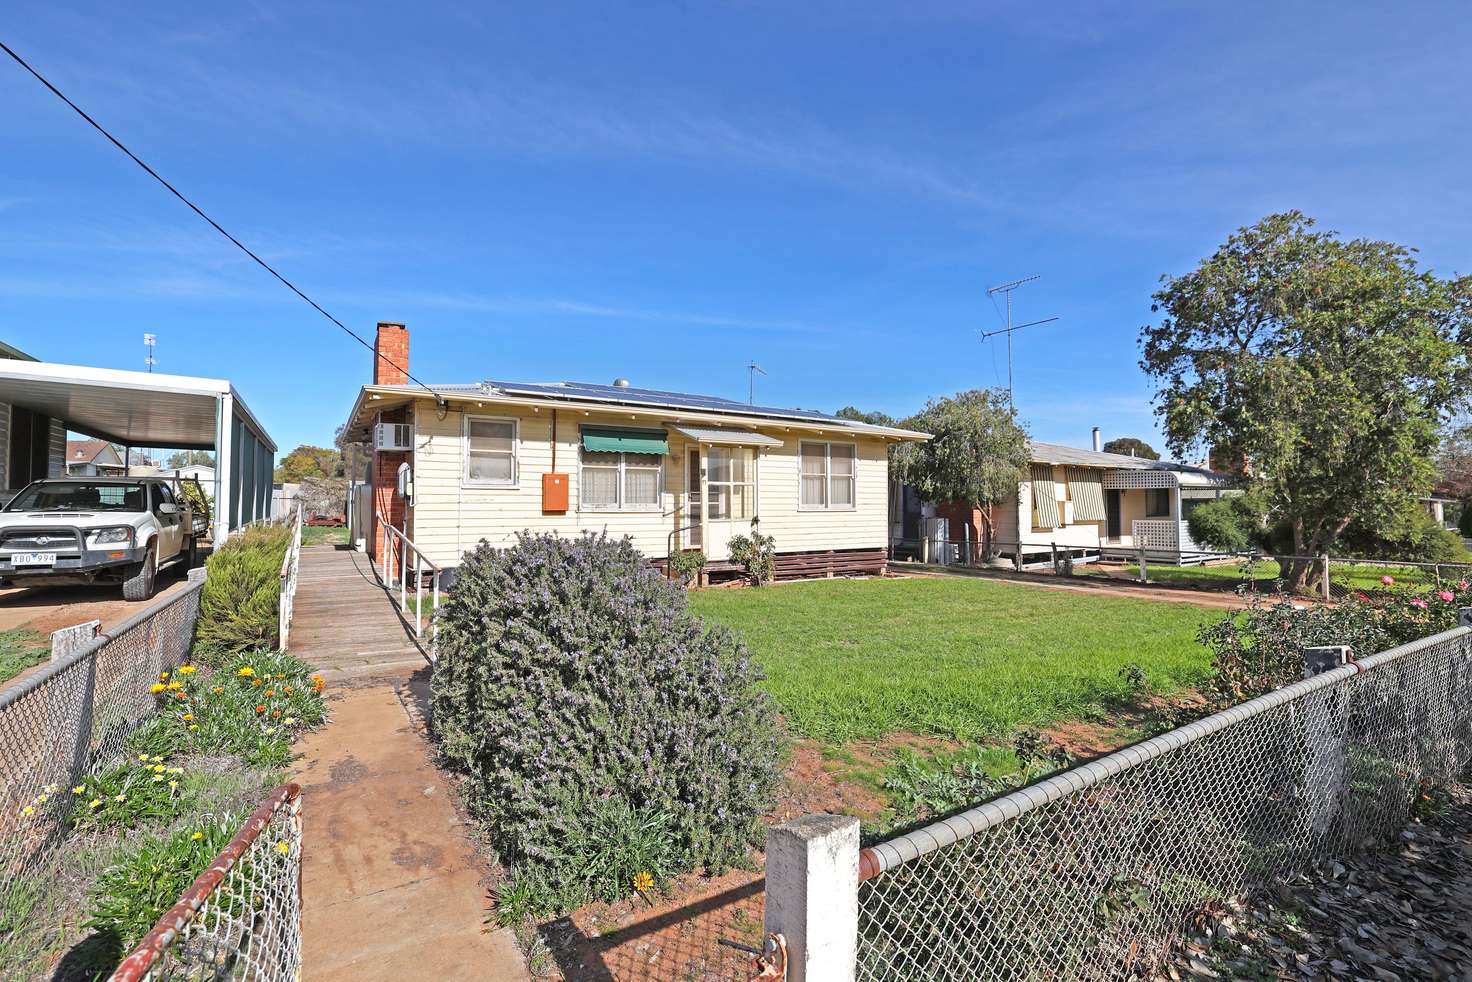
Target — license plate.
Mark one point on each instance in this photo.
(33, 559)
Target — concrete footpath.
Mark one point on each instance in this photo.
(392, 889)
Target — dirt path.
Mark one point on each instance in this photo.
(46, 609)
(392, 889)
(1097, 586)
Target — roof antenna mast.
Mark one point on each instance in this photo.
(751, 372)
(1007, 289)
(149, 340)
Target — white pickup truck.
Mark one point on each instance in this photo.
(85, 530)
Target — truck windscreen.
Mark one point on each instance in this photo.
(79, 496)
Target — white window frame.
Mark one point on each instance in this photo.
(465, 478)
(623, 466)
(828, 504)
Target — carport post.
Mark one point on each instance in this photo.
(224, 416)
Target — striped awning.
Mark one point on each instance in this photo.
(1044, 497)
(1086, 488)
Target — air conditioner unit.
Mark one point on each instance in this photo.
(393, 436)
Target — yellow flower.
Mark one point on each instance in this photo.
(41, 799)
(79, 789)
(218, 688)
(121, 797)
(194, 726)
(176, 770)
(51, 789)
(246, 672)
(283, 848)
(173, 785)
(643, 881)
(159, 768)
(163, 676)
(157, 687)
(289, 720)
(188, 717)
(28, 810)
(187, 669)
(95, 803)
(157, 778)
(197, 836)
(175, 686)
(143, 757)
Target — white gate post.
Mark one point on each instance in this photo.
(813, 895)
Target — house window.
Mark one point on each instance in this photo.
(829, 476)
(490, 452)
(730, 482)
(620, 481)
(1157, 503)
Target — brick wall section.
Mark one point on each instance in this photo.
(959, 514)
(390, 367)
(391, 354)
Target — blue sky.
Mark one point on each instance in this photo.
(666, 191)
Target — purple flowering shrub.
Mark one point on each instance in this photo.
(602, 726)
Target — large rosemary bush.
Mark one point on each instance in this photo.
(588, 707)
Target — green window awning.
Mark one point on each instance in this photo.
(623, 439)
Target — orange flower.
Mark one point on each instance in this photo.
(286, 689)
(275, 712)
(188, 717)
(256, 682)
(260, 709)
(270, 693)
(180, 695)
(218, 689)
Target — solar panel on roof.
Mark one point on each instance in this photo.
(653, 397)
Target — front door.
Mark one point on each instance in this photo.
(1112, 521)
(728, 489)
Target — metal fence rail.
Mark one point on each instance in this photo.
(1091, 873)
(74, 717)
(241, 918)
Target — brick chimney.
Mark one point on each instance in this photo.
(391, 354)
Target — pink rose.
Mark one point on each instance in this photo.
(1419, 604)
(1462, 585)
(1446, 595)
(1388, 580)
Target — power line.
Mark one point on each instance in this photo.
(214, 224)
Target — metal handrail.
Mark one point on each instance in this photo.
(290, 563)
(394, 565)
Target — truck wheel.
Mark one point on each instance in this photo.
(139, 585)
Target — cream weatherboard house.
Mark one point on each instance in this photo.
(1088, 503)
(487, 460)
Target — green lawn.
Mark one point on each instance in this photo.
(953, 657)
(324, 535)
(19, 650)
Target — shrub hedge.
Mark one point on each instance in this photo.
(589, 709)
(239, 606)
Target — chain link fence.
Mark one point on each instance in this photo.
(241, 919)
(1092, 873)
(73, 718)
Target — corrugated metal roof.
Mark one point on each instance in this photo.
(1055, 453)
(730, 438)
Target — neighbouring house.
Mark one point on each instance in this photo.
(32, 444)
(486, 460)
(1088, 504)
(1443, 507)
(93, 458)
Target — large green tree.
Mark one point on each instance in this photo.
(1131, 446)
(977, 454)
(309, 461)
(1322, 368)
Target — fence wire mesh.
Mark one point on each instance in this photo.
(1092, 873)
(73, 718)
(241, 919)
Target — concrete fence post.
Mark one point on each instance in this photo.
(1326, 576)
(813, 895)
(1144, 570)
(1323, 658)
(69, 640)
(1464, 617)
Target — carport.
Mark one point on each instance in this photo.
(148, 411)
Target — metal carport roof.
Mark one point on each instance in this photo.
(142, 409)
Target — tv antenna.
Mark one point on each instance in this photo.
(751, 373)
(149, 340)
(1007, 289)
